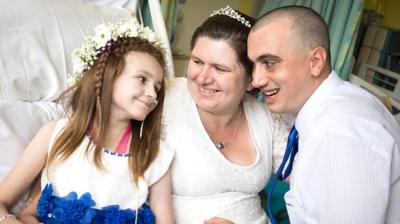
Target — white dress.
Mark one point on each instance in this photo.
(112, 186)
(205, 184)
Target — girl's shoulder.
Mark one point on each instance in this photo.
(48, 129)
(161, 164)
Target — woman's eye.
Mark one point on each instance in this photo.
(220, 69)
(197, 62)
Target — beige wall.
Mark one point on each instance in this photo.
(194, 13)
(389, 9)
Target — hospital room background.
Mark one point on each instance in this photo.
(38, 36)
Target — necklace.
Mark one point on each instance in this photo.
(222, 145)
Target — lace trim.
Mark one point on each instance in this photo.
(106, 150)
(279, 140)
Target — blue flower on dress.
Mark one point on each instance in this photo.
(112, 214)
(44, 204)
(146, 215)
(68, 209)
(73, 210)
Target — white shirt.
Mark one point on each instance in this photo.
(347, 169)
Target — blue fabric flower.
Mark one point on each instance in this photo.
(73, 210)
(146, 215)
(68, 209)
(112, 214)
(44, 205)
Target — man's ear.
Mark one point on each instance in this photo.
(318, 61)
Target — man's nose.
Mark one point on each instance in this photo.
(259, 78)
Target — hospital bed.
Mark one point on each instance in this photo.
(37, 38)
(383, 83)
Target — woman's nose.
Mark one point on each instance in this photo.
(204, 75)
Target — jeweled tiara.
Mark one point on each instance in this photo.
(228, 11)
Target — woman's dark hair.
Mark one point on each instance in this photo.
(223, 27)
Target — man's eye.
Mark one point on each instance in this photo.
(269, 64)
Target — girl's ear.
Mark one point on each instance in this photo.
(318, 60)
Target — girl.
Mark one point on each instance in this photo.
(104, 162)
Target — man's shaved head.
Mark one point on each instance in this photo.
(308, 27)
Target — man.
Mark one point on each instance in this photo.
(347, 169)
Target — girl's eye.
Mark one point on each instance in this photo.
(142, 79)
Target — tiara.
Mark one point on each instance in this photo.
(105, 34)
(228, 11)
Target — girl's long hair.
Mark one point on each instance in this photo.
(89, 102)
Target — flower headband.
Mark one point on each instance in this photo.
(228, 11)
(105, 34)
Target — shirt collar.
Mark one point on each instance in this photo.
(309, 112)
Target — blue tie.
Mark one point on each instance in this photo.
(291, 150)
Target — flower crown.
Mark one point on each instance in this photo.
(228, 11)
(105, 34)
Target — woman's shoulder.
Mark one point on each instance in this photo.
(176, 86)
(177, 96)
(255, 108)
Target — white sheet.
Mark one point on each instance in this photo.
(19, 122)
(36, 40)
(130, 5)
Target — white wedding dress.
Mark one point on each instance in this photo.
(205, 184)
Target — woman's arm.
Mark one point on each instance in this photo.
(26, 170)
(160, 199)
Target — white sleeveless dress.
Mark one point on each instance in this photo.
(112, 186)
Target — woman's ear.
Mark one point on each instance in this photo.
(250, 87)
(249, 79)
(318, 61)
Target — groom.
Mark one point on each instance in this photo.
(347, 169)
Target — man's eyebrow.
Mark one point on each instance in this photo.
(265, 57)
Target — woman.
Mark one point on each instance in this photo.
(222, 136)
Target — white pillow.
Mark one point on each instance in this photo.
(38, 37)
(19, 123)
